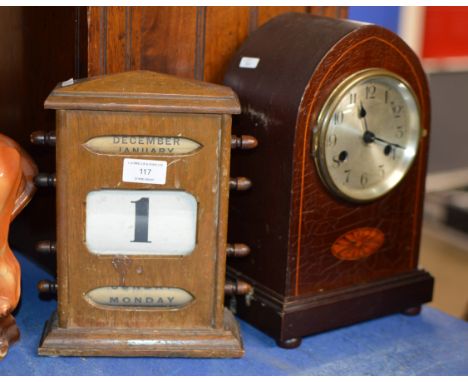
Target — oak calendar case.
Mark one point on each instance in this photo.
(142, 184)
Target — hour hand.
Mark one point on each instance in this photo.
(362, 115)
(362, 112)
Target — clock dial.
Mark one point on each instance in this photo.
(368, 135)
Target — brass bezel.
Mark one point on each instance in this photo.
(320, 130)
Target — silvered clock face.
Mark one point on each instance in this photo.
(368, 135)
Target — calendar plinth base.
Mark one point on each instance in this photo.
(202, 343)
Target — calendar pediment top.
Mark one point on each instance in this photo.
(143, 91)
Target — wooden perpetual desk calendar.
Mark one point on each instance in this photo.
(333, 220)
(142, 196)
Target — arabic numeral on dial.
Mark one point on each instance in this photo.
(338, 117)
(364, 179)
(390, 150)
(348, 173)
(382, 171)
(336, 161)
(397, 109)
(400, 132)
(331, 140)
(370, 91)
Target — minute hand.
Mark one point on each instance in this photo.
(389, 143)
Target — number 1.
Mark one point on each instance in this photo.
(141, 220)
(338, 117)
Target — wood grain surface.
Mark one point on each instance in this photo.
(397, 214)
(192, 42)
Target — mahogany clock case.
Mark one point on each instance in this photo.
(289, 218)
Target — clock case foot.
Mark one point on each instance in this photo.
(412, 311)
(290, 343)
(288, 319)
(203, 343)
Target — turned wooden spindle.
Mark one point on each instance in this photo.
(240, 183)
(237, 287)
(237, 250)
(47, 287)
(44, 138)
(243, 142)
(46, 246)
(45, 180)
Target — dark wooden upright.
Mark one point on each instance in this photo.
(192, 42)
(288, 218)
(39, 46)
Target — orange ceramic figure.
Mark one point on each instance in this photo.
(17, 171)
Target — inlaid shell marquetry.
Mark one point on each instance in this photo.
(358, 243)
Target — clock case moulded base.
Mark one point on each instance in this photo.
(203, 343)
(287, 320)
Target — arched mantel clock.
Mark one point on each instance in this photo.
(341, 113)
